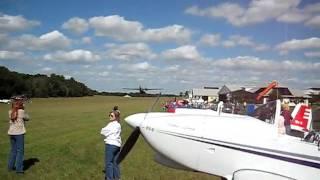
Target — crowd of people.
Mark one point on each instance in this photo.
(111, 133)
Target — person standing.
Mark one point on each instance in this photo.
(287, 118)
(16, 134)
(112, 140)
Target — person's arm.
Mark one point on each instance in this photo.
(22, 114)
(26, 116)
(106, 131)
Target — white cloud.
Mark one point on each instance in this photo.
(187, 52)
(104, 73)
(173, 68)
(210, 39)
(10, 23)
(86, 40)
(261, 47)
(46, 69)
(241, 40)
(258, 11)
(257, 71)
(76, 25)
(140, 67)
(11, 55)
(49, 41)
(255, 64)
(312, 54)
(240, 71)
(314, 22)
(78, 55)
(243, 63)
(132, 51)
(312, 8)
(293, 16)
(237, 40)
(228, 43)
(123, 30)
(296, 44)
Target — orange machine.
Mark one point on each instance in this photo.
(265, 91)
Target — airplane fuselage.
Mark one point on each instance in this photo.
(222, 144)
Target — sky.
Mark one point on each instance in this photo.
(175, 45)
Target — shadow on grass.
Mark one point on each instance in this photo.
(29, 162)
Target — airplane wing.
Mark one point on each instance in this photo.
(131, 88)
(253, 174)
(147, 89)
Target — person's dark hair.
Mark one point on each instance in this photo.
(116, 114)
(115, 108)
(16, 105)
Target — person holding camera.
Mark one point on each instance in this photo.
(112, 140)
(17, 116)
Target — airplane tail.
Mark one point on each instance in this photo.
(302, 118)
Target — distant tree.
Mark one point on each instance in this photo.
(186, 94)
(13, 83)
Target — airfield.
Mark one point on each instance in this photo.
(63, 141)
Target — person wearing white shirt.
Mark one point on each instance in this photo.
(112, 141)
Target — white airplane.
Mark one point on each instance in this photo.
(227, 145)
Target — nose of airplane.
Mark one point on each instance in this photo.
(135, 120)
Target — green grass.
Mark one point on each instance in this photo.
(64, 135)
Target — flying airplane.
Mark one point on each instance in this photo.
(228, 145)
(142, 90)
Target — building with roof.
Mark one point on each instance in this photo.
(312, 91)
(286, 95)
(209, 95)
(299, 96)
(224, 93)
(282, 93)
(243, 96)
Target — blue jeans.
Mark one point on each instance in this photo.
(111, 166)
(16, 153)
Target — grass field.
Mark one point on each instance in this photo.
(63, 141)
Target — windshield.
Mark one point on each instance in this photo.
(266, 112)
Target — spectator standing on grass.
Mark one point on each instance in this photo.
(112, 141)
(16, 132)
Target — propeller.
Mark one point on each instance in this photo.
(131, 141)
(135, 121)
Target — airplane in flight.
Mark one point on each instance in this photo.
(142, 90)
(228, 145)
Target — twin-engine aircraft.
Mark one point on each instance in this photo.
(142, 90)
(228, 145)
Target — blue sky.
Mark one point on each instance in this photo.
(112, 44)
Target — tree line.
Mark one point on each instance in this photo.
(39, 85)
